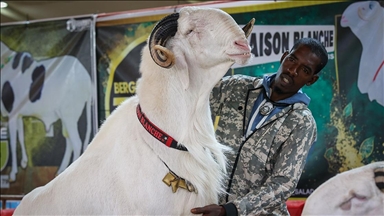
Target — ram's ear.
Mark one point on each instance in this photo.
(182, 69)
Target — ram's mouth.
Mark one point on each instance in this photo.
(241, 54)
(346, 204)
(241, 58)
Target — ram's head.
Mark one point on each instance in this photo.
(205, 33)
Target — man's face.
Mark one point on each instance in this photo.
(296, 70)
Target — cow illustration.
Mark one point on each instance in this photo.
(50, 89)
(366, 21)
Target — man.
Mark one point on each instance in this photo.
(270, 128)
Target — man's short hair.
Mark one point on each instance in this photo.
(317, 48)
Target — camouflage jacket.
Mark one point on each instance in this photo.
(264, 168)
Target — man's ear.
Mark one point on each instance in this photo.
(283, 56)
(315, 77)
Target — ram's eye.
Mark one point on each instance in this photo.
(189, 31)
(371, 5)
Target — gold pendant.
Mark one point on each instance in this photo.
(176, 182)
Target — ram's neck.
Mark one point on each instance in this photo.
(176, 109)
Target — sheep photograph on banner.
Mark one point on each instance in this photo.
(47, 100)
(360, 18)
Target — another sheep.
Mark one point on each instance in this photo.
(359, 191)
(129, 168)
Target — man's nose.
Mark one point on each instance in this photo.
(293, 70)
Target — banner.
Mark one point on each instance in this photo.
(118, 58)
(269, 42)
(48, 89)
(346, 101)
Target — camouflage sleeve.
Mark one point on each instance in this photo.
(216, 95)
(226, 86)
(289, 163)
(219, 93)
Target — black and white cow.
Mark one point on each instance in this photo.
(51, 89)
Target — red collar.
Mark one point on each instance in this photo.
(157, 132)
(378, 70)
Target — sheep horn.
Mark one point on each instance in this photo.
(164, 29)
(379, 178)
(248, 28)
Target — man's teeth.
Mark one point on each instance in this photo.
(285, 80)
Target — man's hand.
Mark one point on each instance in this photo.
(210, 210)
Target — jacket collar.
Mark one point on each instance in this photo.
(252, 95)
(250, 101)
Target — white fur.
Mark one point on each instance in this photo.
(121, 171)
(366, 20)
(67, 89)
(350, 193)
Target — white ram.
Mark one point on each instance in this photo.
(125, 169)
(50, 89)
(359, 191)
